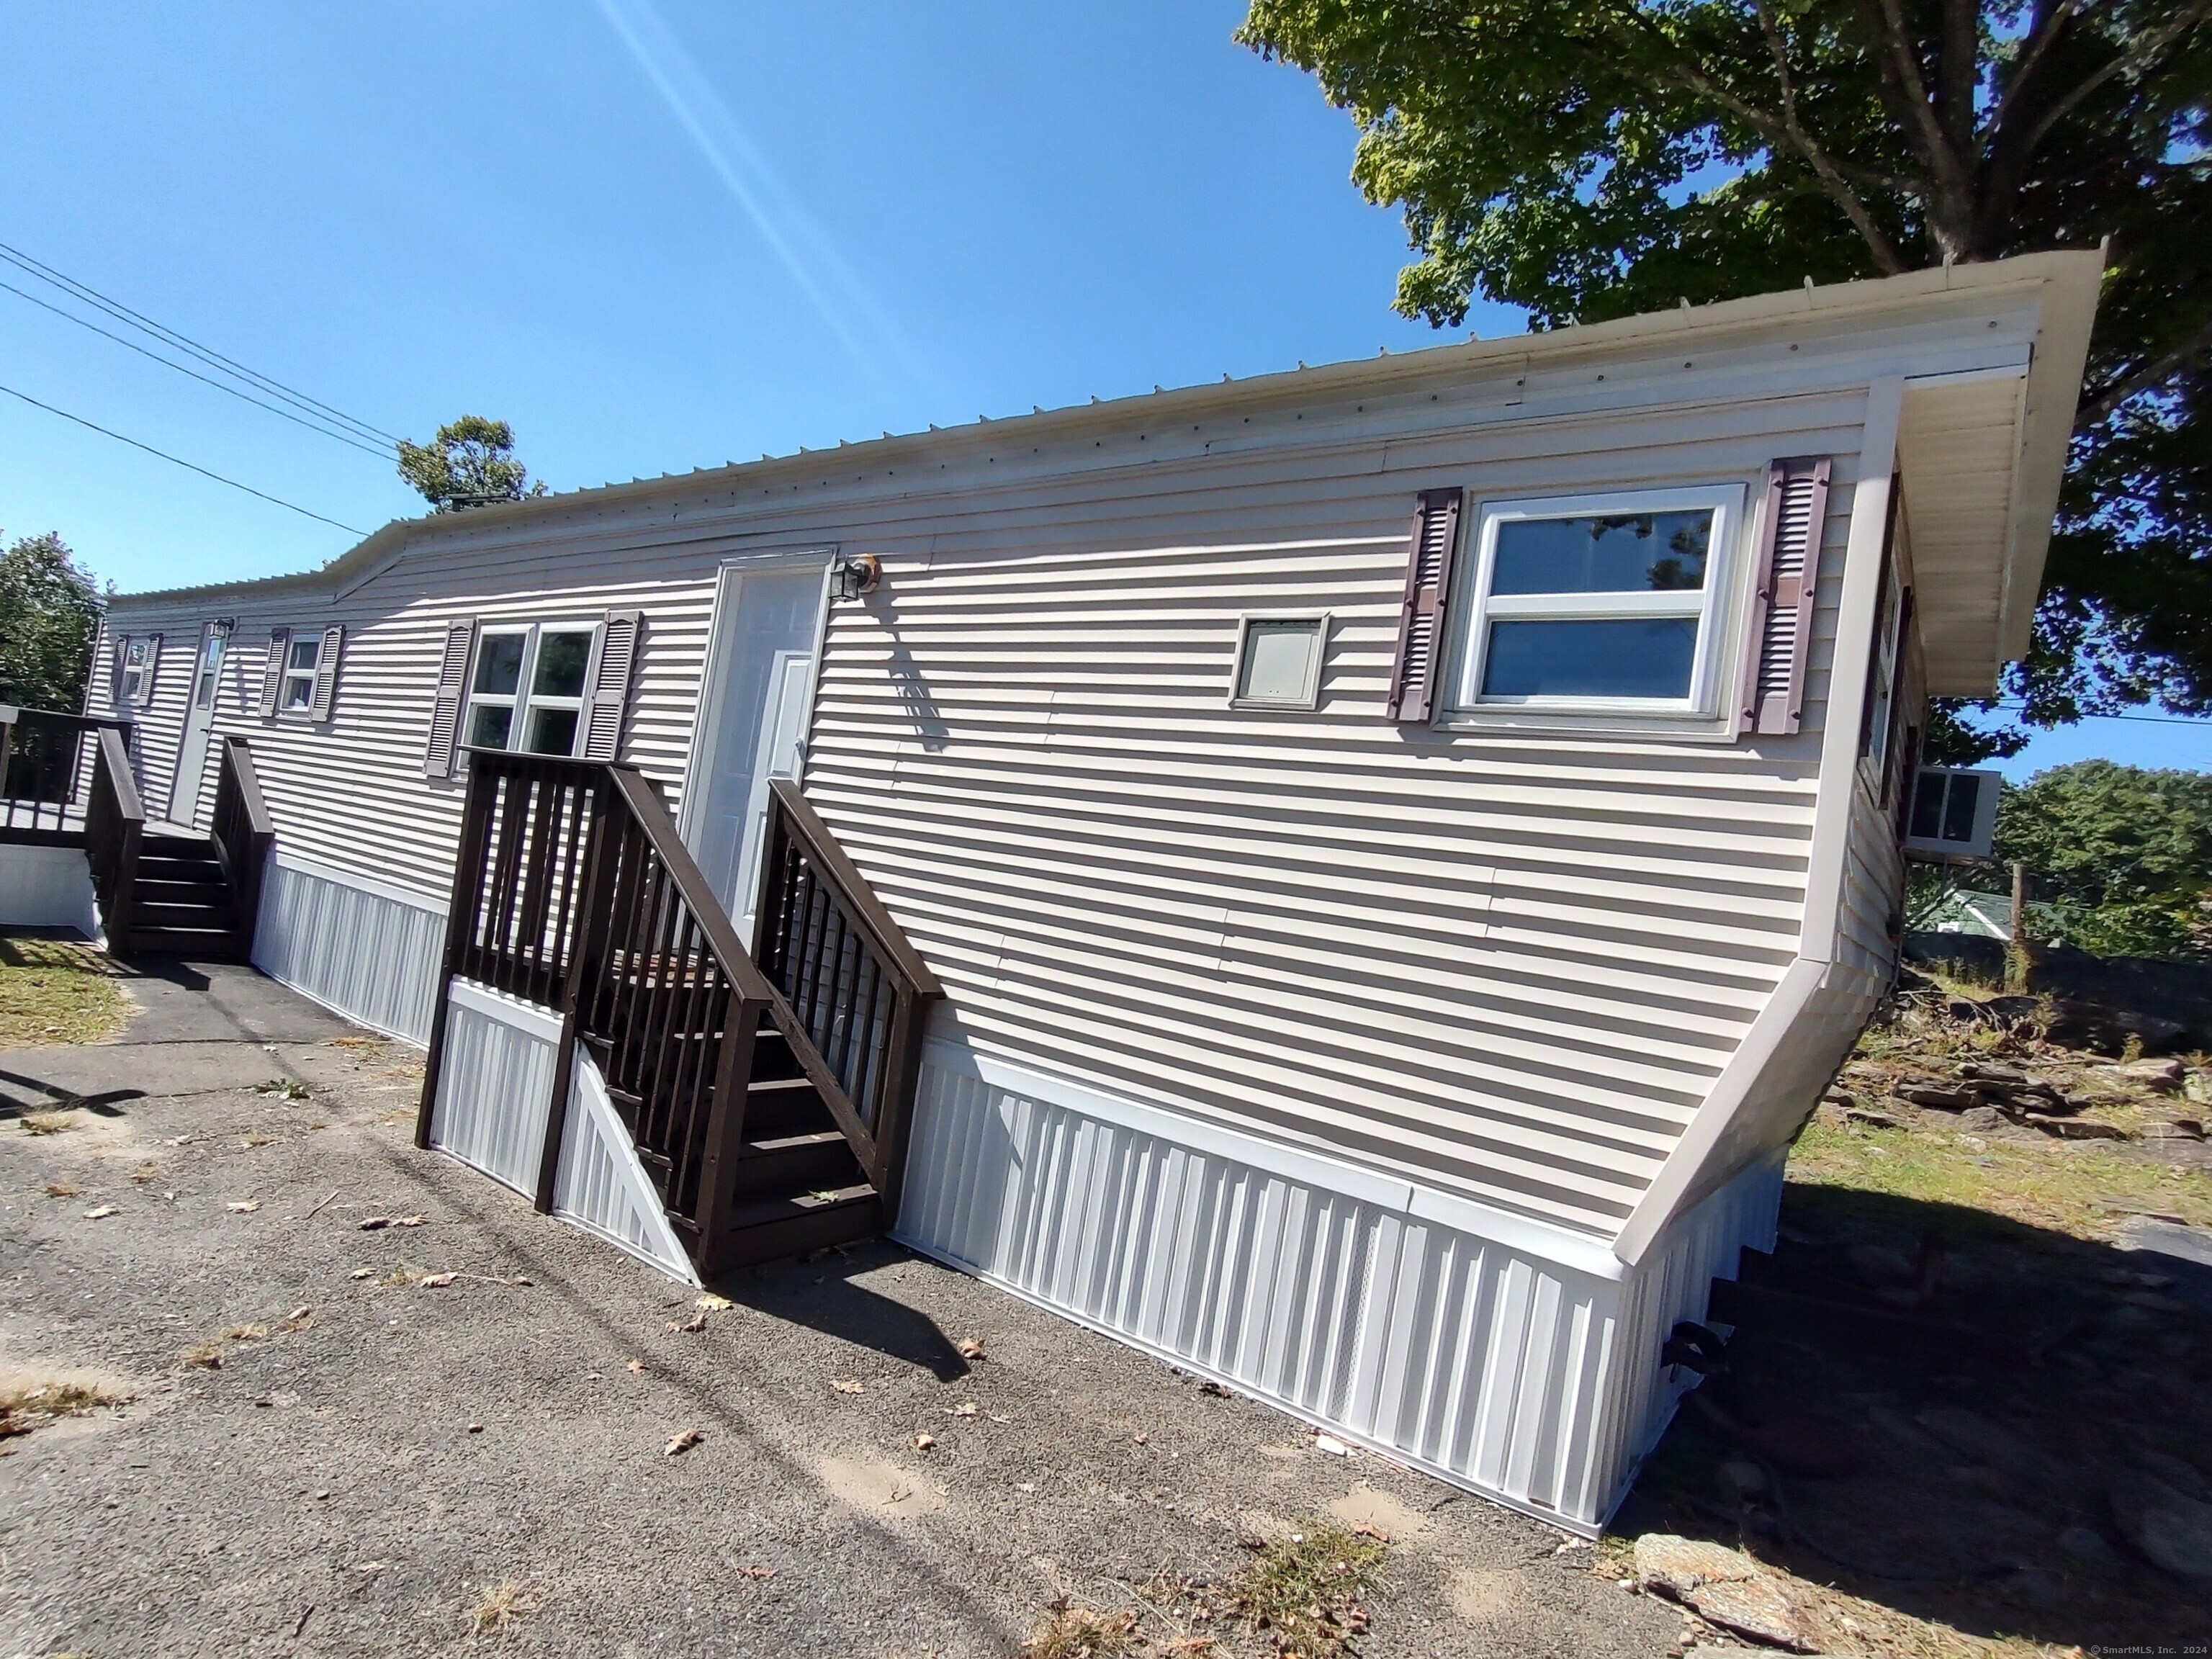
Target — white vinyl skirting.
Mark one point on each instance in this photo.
(1507, 1355)
(46, 887)
(365, 948)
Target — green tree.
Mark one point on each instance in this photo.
(1589, 158)
(2122, 857)
(49, 611)
(470, 463)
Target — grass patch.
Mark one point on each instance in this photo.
(55, 990)
(46, 1123)
(2083, 1187)
(24, 1408)
(501, 1604)
(1303, 1591)
(1071, 1633)
(201, 1356)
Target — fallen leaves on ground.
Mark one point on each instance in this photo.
(924, 1442)
(697, 1322)
(634, 1367)
(681, 1442)
(965, 1408)
(46, 1123)
(436, 1281)
(99, 1211)
(243, 1206)
(60, 1189)
(711, 1304)
(21, 1409)
(201, 1356)
(753, 1570)
(971, 1347)
(377, 1224)
(847, 1385)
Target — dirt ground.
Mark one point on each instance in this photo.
(451, 1437)
(1968, 1404)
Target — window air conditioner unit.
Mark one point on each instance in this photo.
(1955, 814)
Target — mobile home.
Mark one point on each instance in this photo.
(1347, 880)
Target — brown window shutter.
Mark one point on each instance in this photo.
(1791, 517)
(326, 672)
(608, 695)
(445, 709)
(272, 672)
(1421, 618)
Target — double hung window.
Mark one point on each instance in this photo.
(527, 690)
(301, 657)
(1882, 690)
(134, 650)
(1599, 605)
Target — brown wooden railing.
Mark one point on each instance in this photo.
(572, 890)
(244, 833)
(43, 766)
(114, 823)
(845, 973)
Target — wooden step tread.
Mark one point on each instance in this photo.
(769, 1207)
(774, 1145)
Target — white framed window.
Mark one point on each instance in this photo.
(302, 656)
(1876, 739)
(1598, 605)
(526, 689)
(134, 651)
(1277, 663)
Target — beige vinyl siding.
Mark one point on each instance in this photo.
(1508, 965)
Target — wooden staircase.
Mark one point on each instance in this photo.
(766, 1088)
(180, 902)
(798, 1184)
(168, 893)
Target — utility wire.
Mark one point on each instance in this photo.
(179, 461)
(2146, 719)
(206, 355)
(247, 396)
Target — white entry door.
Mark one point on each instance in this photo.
(199, 721)
(753, 720)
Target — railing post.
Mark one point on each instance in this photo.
(584, 966)
(460, 916)
(726, 1128)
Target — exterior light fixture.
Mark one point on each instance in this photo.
(850, 578)
(224, 627)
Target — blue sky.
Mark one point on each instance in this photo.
(653, 234)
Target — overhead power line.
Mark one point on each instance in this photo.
(179, 461)
(204, 380)
(206, 355)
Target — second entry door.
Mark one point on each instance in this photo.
(759, 692)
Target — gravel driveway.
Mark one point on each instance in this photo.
(378, 1458)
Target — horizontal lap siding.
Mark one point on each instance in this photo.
(1508, 965)
(352, 795)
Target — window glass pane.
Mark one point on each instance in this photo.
(499, 664)
(1636, 658)
(299, 690)
(1928, 805)
(488, 725)
(552, 731)
(560, 659)
(1278, 662)
(1625, 553)
(1959, 807)
(302, 659)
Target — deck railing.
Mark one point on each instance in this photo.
(846, 972)
(114, 823)
(243, 832)
(43, 755)
(573, 890)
